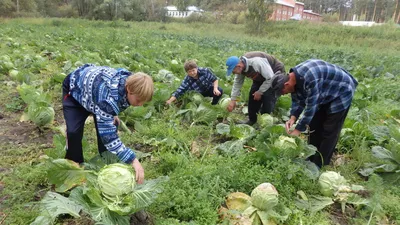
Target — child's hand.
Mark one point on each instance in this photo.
(217, 92)
(139, 171)
(170, 100)
(116, 121)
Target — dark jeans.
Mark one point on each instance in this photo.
(265, 105)
(75, 116)
(325, 130)
(210, 93)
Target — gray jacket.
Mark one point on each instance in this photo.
(260, 67)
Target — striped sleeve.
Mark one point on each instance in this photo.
(182, 89)
(210, 75)
(296, 109)
(109, 136)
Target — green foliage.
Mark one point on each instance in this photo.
(39, 107)
(182, 146)
(15, 105)
(259, 12)
(108, 196)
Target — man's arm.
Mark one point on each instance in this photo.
(311, 106)
(262, 66)
(237, 85)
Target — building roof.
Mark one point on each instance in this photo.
(171, 8)
(189, 8)
(300, 3)
(285, 3)
(309, 11)
(194, 8)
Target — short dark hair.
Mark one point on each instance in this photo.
(278, 82)
(190, 64)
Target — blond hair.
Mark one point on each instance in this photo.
(140, 84)
(190, 64)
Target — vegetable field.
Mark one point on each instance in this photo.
(200, 166)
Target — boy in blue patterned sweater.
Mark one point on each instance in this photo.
(201, 80)
(103, 92)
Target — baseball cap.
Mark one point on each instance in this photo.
(231, 63)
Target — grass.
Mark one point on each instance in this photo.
(43, 48)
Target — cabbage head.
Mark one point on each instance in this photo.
(329, 183)
(224, 102)
(285, 143)
(41, 114)
(264, 196)
(197, 98)
(266, 120)
(116, 179)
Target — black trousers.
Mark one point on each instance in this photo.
(75, 116)
(325, 130)
(210, 93)
(265, 105)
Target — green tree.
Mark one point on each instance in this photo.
(7, 7)
(259, 12)
(84, 7)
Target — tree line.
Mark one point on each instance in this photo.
(228, 10)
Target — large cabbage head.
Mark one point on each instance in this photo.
(264, 196)
(329, 182)
(116, 179)
(285, 143)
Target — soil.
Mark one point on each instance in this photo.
(13, 131)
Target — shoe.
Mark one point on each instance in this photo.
(248, 122)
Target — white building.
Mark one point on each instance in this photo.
(360, 23)
(172, 11)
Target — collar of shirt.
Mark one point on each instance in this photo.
(299, 80)
(244, 61)
(122, 93)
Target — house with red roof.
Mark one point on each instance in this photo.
(290, 9)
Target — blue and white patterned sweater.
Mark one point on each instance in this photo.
(101, 91)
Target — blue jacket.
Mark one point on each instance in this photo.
(101, 91)
(320, 83)
(204, 82)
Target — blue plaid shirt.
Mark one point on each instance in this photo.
(101, 91)
(204, 82)
(320, 83)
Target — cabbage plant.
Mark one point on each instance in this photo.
(264, 196)
(224, 102)
(262, 208)
(285, 143)
(116, 179)
(39, 108)
(41, 114)
(334, 188)
(265, 120)
(109, 196)
(329, 182)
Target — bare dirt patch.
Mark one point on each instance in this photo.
(15, 132)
